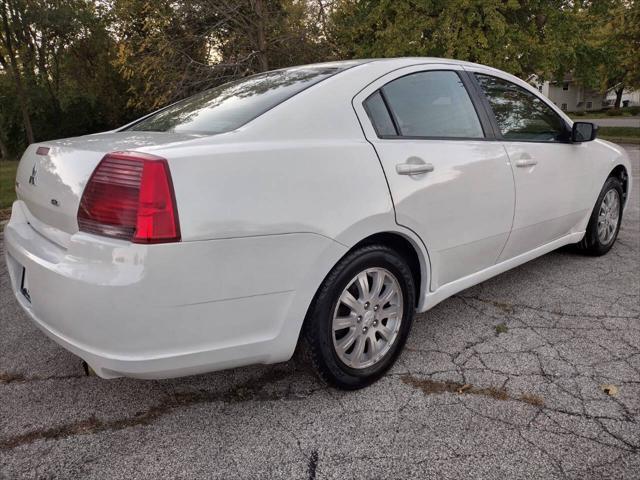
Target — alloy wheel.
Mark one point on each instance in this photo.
(367, 318)
(608, 216)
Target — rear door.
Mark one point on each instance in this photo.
(451, 183)
(552, 175)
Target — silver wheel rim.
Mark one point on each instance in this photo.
(608, 217)
(367, 318)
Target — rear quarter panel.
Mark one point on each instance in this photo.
(265, 188)
(303, 166)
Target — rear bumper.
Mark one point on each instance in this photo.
(157, 311)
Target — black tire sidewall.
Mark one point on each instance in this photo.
(319, 332)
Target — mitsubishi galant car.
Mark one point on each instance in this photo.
(316, 207)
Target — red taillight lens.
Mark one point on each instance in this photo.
(130, 196)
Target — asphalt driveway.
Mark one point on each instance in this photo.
(533, 374)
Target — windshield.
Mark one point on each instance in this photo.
(231, 105)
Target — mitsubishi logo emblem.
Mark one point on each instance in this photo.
(32, 178)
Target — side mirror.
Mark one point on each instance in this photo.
(583, 132)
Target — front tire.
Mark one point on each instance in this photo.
(604, 223)
(360, 318)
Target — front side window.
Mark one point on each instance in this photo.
(520, 114)
(231, 105)
(432, 104)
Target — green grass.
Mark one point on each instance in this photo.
(620, 134)
(7, 183)
(598, 114)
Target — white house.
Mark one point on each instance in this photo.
(569, 95)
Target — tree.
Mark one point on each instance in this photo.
(520, 37)
(70, 67)
(170, 49)
(12, 34)
(59, 57)
(607, 55)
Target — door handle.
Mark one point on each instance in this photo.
(413, 168)
(526, 162)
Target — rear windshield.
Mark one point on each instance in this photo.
(229, 106)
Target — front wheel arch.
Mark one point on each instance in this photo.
(592, 243)
(621, 173)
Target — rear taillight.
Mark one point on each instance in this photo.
(130, 196)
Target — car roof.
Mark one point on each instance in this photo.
(408, 60)
(425, 60)
(399, 62)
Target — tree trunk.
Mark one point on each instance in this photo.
(260, 33)
(13, 64)
(4, 152)
(619, 93)
(22, 97)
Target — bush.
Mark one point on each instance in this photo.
(614, 112)
(634, 110)
(578, 114)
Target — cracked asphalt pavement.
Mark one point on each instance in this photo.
(533, 374)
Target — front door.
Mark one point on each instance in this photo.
(450, 183)
(552, 175)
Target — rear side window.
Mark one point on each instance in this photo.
(432, 104)
(520, 114)
(229, 106)
(379, 115)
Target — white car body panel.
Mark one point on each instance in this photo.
(563, 171)
(172, 309)
(266, 211)
(565, 180)
(470, 233)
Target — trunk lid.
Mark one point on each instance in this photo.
(52, 175)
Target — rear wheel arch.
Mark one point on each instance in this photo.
(382, 251)
(407, 249)
(415, 256)
(408, 246)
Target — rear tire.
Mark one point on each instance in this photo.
(604, 223)
(360, 318)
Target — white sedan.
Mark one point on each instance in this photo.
(317, 207)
